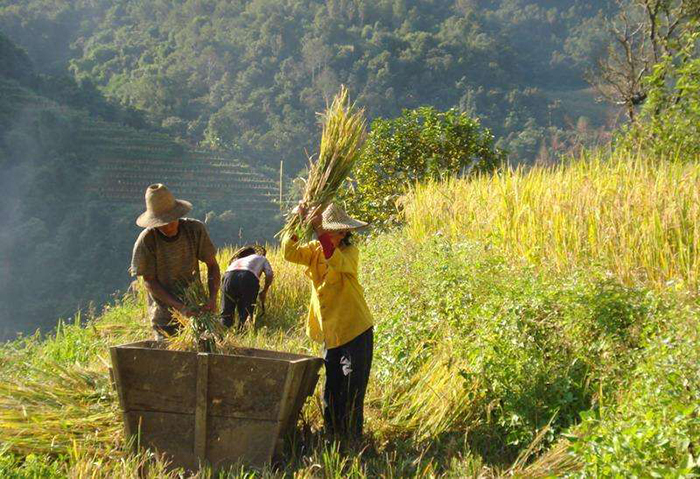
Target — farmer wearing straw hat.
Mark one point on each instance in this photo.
(338, 315)
(242, 283)
(167, 254)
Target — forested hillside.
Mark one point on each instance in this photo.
(101, 97)
(48, 222)
(249, 76)
(74, 169)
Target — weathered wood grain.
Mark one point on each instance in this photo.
(167, 433)
(213, 408)
(233, 439)
(200, 417)
(246, 387)
(157, 380)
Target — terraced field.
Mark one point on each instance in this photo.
(124, 160)
(128, 160)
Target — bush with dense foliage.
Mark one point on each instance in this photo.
(420, 145)
(671, 120)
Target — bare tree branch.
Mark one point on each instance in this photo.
(641, 34)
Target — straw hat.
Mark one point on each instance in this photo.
(334, 218)
(161, 207)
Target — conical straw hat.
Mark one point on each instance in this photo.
(161, 207)
(334, 218)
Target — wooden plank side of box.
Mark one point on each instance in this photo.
(250, 441)
(167, 433)
(246, 387)
(309, 379)
(157, 380)
(266, 353)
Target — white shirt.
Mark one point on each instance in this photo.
(254, 263)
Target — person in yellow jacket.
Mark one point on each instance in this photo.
(338, 315)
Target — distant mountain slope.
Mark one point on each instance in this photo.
(124, 160)
(250, 76)
(73, 183)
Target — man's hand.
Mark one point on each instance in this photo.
(157, 290)
(188, 312)
(211, 305)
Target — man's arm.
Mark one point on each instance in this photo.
(157, 290)
(213, 281)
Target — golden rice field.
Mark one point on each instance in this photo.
(636, 218)
(484, 366)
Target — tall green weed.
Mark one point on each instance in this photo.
(475, 345)
(651, 426)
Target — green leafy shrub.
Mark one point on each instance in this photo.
(671, 121)
(652, 427)
(419, 145)
(480, 346)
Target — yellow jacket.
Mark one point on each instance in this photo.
(338, 312)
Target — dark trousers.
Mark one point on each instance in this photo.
(239, 292)
(347, 375)
(164, 331)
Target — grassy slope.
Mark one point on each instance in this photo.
(488, 360)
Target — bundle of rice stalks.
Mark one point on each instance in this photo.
(199, 331)
(344, 130)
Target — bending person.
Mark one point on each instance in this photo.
(167, 254)
(242, 283)
(338, 316)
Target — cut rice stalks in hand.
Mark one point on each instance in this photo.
(200, 331)
(344, 131)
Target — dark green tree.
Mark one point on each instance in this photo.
(14, 61)
(419, 145)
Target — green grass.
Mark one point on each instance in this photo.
(487, 363)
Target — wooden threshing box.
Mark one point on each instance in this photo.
(216, 409)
